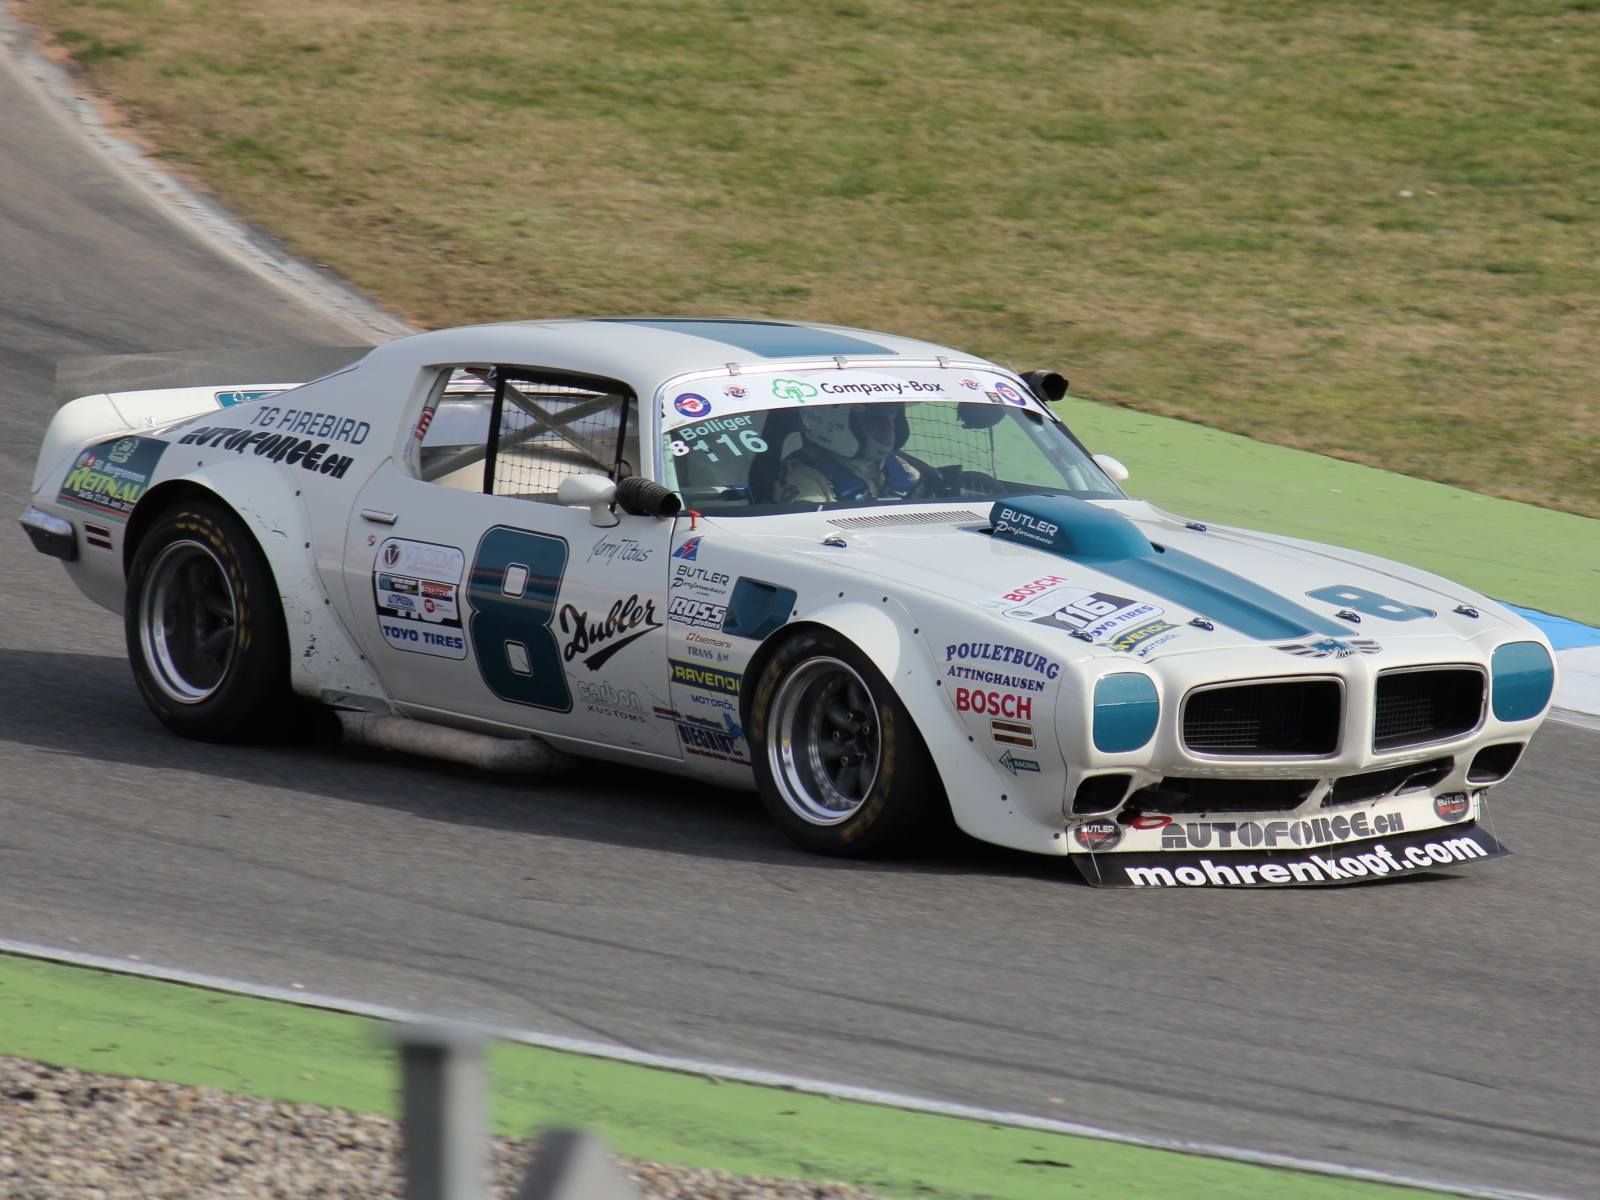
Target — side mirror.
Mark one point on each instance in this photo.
(1117, 472)
(594, 492)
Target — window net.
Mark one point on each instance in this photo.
(543, 432)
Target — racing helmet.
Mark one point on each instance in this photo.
(856, 430)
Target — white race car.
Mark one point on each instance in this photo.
(873, 579)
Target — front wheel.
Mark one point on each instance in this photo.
(838, 762)
(205, 628)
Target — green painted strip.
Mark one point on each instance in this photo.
(1534, 557)
(125, 1025)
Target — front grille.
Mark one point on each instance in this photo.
(1296, 717)
(1354, 788)
(1176, 795)
(1414, 707)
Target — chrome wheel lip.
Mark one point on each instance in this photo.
(794, 746)
(164, 585)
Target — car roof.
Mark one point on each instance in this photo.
(645, 351)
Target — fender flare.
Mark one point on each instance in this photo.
(885, 634)
(323, 657)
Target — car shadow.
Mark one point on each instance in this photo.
(87, 707)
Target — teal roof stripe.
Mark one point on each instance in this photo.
(769, 339)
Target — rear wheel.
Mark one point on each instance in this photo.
(205, 628)
(838, 762)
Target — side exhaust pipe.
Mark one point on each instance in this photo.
(528, 755)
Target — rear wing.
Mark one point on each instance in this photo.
(105, 395)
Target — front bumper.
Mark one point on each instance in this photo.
(1274, 850)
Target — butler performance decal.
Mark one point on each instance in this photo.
(1355, 862)
(108, 479)
(290, 448)
(417, 589)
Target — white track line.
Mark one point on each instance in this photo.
(773, 1079)
(199, 214)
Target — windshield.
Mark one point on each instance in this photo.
(755, 456)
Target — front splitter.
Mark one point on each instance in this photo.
(1348, 862)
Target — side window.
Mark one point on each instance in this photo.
(519, 431)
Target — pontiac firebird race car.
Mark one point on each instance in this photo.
(873, 579)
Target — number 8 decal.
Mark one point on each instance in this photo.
(512, 589)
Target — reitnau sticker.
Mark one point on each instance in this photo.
(417, 586)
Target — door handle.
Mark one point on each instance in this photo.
(382, 518)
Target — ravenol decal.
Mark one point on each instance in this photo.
(1129, 638)
(692, 405)
(708, 679)
(797, 390)
(109, 478)
(689, 550)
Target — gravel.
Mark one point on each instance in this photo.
(72, 1134)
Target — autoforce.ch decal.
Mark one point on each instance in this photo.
(1311, 831)
(279, 447)
(416, 588)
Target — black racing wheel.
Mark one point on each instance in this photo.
(839, 764)
(205, 628)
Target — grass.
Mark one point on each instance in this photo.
(123, 1025)
(1366, 228)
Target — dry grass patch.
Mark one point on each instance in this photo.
(1198, 209)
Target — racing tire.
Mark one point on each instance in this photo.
(205, 629)
(839, 764)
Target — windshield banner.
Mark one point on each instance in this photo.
(694, 402)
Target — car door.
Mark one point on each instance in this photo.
(497, 602)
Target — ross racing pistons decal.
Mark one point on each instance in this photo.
(416, 586)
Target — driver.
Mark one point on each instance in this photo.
(850, 452)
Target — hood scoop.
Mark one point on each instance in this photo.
(1111, 544)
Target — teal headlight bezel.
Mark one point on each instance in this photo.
(1127, 711)
(1522, 680)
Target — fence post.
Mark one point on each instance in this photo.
(442, 1124)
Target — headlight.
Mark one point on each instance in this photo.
(1523, 677)
(1125, 712)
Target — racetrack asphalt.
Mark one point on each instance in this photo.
(1442, 1026)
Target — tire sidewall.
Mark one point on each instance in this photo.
(901, 809)
(257, 678)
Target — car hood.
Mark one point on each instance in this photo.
(1253, 589)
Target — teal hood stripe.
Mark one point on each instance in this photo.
(1110, 543)
(1211, 591)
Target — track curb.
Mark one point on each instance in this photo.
(199, 214)
(761, 1078)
